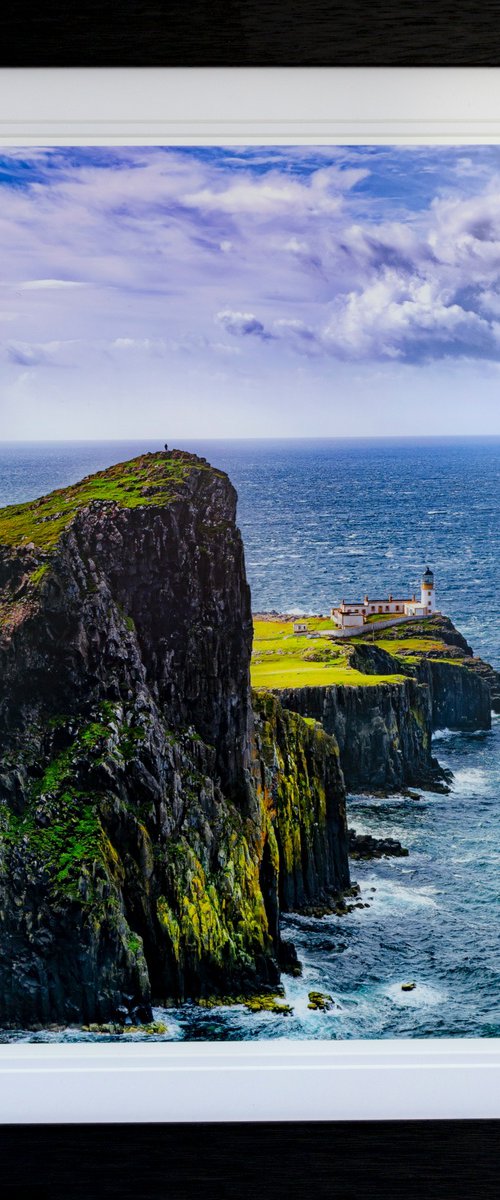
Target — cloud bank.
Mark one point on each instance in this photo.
(249, 261)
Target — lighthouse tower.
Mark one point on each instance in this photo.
(428, 595)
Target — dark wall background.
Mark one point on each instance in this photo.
(334, 1161)
(250, 33)
(344, 1161)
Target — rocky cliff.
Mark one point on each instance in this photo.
(384, 731)
(148, 835)
(460, 698)
(301, 780)
(459, 685)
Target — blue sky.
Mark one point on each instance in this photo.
(259, 291)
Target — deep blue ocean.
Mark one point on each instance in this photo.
(332, 518)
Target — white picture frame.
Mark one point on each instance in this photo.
(279, 1080)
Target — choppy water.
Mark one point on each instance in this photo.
(321, 520)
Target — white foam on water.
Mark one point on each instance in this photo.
(424, 995)
(475, 779)
(393, 896)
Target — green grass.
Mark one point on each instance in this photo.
(384, 616)
(292, 673)
(151, 479)
(280, 661)
(318, 623)
(408, 645)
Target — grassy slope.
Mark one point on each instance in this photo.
(282, 659)
(408, 645)
(42, 521)
(278, 659)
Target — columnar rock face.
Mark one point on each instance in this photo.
(461, 698)
(462, 688)
(459, 702)
(383, 732)
(139, 857)
(302, 783)
(151, 595)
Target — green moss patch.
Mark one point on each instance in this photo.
(409, 645)
(152, 1029)
(301, 775)
(320, 1001)
(266, 1002)
(214, 914)
(270, 1004)
(61, 831)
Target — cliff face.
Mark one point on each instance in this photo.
(151, 596)
(139, 858)
(460, 698)
(464, 689)
(383, 732)
(303, 787)
(460, 685)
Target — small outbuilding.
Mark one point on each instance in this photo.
(300, 626)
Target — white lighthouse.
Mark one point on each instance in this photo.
(427, 593)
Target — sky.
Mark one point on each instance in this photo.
(288, 291)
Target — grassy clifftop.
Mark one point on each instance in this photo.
(282, 659)
(147, 480)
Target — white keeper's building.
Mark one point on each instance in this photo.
(352, 615)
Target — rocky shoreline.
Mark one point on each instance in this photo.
(363, 845)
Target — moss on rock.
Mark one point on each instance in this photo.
(303, 783)
(150, 479)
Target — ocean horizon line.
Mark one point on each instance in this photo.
(360, 438)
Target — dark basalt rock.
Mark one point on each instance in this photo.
(363, 845)
(303, 788)
(141, 856)
(383, 731)
(457, 704)
(371, 659)
(460, 698)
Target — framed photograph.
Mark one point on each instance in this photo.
(249, 546)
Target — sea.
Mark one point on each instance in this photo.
(324, 520)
